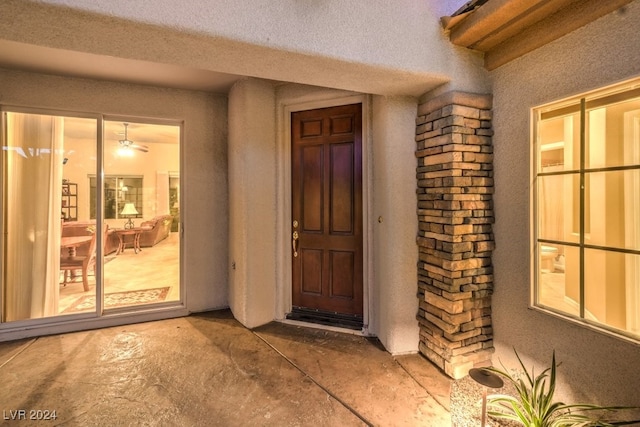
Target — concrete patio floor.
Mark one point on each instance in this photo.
(207, 369)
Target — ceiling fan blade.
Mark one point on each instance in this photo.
(142, 148)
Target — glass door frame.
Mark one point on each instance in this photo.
(181, 302)
(99, 311)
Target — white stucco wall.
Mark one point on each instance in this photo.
(204, 167)
(595, 367)
(395, 223)
(252, 206)
(388, 48)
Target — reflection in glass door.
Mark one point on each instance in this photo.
(49, 253)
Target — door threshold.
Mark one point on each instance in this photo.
(327, 318)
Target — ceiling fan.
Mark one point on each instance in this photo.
(127, 144)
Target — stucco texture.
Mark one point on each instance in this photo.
(286, 40)
(596, 367)
(395, 224)
(252, 190)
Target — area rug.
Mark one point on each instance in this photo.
(119, 299)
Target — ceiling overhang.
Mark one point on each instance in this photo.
(507, 29)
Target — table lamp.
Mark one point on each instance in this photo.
(128, 210)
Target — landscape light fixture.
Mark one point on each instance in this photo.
(486, 379)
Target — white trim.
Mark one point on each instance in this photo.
(283, 200)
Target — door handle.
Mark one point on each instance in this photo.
(294, 243)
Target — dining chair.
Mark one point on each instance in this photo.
(84, 263)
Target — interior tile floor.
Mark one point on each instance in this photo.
(151, 268)
(209, 370)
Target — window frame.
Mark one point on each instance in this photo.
(603, 97)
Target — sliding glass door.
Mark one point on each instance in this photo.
(61, 224)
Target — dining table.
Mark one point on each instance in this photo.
(72, 242)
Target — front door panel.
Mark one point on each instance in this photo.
(327, 209)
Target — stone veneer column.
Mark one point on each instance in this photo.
(455, 240)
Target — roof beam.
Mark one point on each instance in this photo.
(551, 28)
(507, 29)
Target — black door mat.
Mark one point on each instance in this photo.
(328, 318)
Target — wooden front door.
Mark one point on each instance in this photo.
(326, 192)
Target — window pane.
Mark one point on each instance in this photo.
(616, 304)
(559, 277)
(614, 206)
(142, 208)
(558, 208)
(558, 142)
(613, 135)
(49, 254)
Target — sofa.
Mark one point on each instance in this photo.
(86, 228)
(155, 230)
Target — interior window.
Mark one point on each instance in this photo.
(118, 191)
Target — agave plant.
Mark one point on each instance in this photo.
(534, 405)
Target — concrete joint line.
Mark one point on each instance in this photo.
(326, 390)
(26, 346)
(421, 386)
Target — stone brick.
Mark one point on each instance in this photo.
(457, 370)
(434, 115)
(430, 134)
(466, 213)
(440, 236)
(461, 148)
(461, 110)
(428, 152)
(456, 296)
(424, 128)
(446, 327)
(449, 121)
(439, 174)
(471, 304)
(456, 319)
(457, 181)
(476, 140)
(485, 115)
(460, 130)
(461, 335)
(444, 158)
(471, 123)
(443, 140)
(455, 230)
(450, 306)
(457, 247)
(465, 264)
